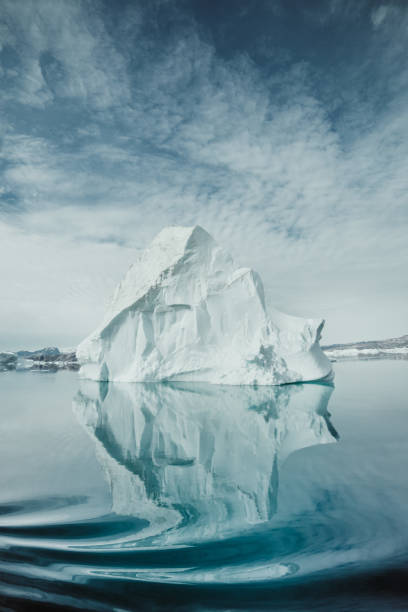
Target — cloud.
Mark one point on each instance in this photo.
(299, 175)
(379, 15)
(62, 50)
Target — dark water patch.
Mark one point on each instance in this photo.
(102, 527)
(37, 505)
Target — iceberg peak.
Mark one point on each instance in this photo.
(182, 236)
(185, 312)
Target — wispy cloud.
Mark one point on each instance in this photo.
(61, 49)
(379, 14)
(120, 129)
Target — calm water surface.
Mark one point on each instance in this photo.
(200, 497)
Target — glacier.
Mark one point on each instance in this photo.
(185, 312)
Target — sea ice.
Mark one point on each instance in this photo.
(185, 312)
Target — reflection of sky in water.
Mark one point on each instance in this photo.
(163, 485)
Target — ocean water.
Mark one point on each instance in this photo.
(198, 497)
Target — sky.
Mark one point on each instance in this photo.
(280, 126)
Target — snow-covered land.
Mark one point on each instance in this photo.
(8, 361)
(394, 348)
(214, 449)
(185, 312)
(49, 358)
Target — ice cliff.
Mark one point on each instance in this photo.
(185, 312)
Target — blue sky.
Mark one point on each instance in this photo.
(279, 126)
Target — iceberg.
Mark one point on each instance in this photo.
(198, 461)
(185, 312)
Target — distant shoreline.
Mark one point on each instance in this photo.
(53, 359)
(393, 348)
(48, 359)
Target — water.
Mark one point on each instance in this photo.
(198, 497)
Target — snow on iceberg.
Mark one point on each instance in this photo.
(185, 312)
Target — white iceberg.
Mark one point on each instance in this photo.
(185, 312)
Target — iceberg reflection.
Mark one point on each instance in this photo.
(199, 461)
